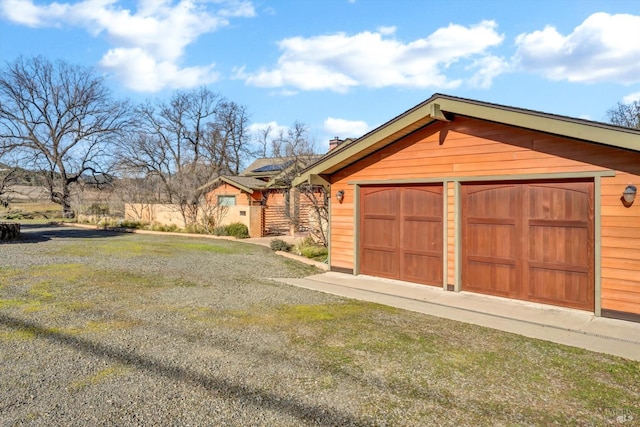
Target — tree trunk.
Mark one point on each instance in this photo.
(63, 198)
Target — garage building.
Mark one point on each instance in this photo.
(473, 196)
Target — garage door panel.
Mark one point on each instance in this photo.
(380, 201)
(550, 286)
(491, 240)
(422, 235)
(422, 268)
(544, 247)
(545, 228)
(490, 277)
(569, 201)
(380, 232)
(422, 201)
(380, 262)
(485, 201)
(401, 232)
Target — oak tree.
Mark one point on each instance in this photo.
(62, 120)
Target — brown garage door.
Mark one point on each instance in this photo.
(529, 240)
(401, 233)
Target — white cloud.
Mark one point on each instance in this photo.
(386, 31)
(603, 48)
(274, 128)
(488, 68)
(339, 61)
(345, 128)
(142, 72)
(148, 43)
(632, 97)
(24, 12)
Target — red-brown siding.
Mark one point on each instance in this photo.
(467, 148)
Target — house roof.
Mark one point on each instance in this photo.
(275, 170)
(266, 167)
(244, 183)
(445, 107)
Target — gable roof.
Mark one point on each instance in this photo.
(244, 183)
(264, 173)
(445, 107)
(267, 166)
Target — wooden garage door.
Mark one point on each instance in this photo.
(529, 240)
(401, 233)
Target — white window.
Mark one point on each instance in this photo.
(226, 200)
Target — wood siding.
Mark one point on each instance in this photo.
(276, 221)
(401, 233)
(466, 148)
(242, 198)
(529, 240)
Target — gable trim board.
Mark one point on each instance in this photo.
(423, 114)
(436, 144)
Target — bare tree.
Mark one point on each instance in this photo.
(7, 180)
(185, 143)
(61, 118)
(229, 139)
(263, 140)
(627, 115)
(306, 204)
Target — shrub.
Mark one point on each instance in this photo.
(309, 249)
(237, 230)
(220, 231)
(97, 209)
(162, 227)
(318, 253)
(130, 223)
(279, 245)
(195, 229)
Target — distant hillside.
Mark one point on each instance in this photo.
(37, 178)
(24, 176)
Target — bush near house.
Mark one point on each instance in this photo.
(308, 248)
(279, 245)
(236, 229)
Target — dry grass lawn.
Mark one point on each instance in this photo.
(197, 310)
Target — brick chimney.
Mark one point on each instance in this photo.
(333, 143)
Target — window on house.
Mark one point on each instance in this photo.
(226, 200)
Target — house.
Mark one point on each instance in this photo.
(262, 198)
(473, 196)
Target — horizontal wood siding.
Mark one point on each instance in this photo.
(242, 198)
(276, 221)
(468, 147)
(342, 227)
(620, 236)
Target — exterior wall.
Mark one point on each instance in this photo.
(169, 214)
(163, 214)
(467, 148)
(621, 242)
(242, 198)
(247, 209)
(276, 221)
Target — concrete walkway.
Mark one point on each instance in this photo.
(565, 326)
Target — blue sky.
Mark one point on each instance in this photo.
(344, 67)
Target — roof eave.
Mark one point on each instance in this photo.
(438, 108)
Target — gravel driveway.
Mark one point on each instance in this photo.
(150, 356)
(100, 328)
